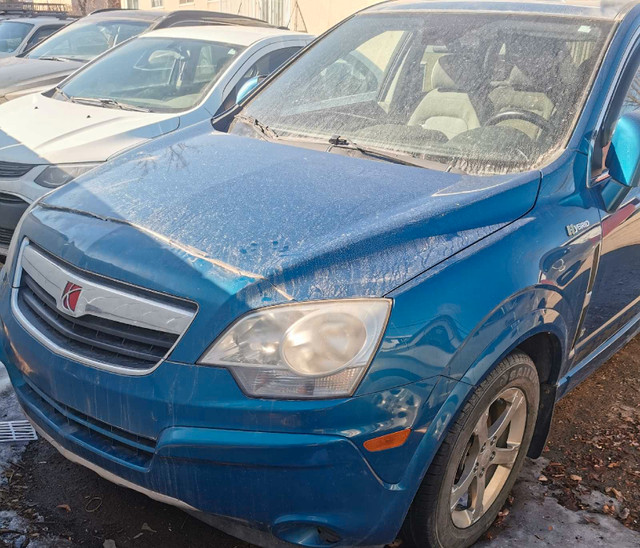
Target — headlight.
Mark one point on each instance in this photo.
(55, 176)
(308, 350)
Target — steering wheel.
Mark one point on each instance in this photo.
(525, 115)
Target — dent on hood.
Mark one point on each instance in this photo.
(313, 224)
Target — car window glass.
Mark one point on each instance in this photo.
(632, 97)
(39, 35)
(482, 93)
(85, 40)
(262, 67)
(12, 34)
(266, 65)
(360, 72)
(154, 73)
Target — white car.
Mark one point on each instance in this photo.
(148, 87)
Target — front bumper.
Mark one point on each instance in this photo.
(187, 436)
(285, 484)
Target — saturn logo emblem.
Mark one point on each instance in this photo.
(70, 296)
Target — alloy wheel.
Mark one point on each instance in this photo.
(490, 454)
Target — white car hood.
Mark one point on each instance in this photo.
(38, 130)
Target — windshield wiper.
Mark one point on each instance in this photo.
(258, 126)
(402, 159)
(108, 103)
(53, 58)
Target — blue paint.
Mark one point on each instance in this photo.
(475, 266)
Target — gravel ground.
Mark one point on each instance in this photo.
(584, 492)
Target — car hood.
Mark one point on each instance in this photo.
(39, 130)
(315, 225)
(22, 73)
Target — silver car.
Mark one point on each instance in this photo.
(21, 34)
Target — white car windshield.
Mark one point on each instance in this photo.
(12, 34)
(84, 40)
(152, 73)
(479, 92)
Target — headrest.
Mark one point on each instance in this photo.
(538, 67)
(458, 72)
(520, 81)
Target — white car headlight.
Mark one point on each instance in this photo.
(55, 176)
(306, 350)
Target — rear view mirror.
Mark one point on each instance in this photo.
(623, 161)
(248, 87)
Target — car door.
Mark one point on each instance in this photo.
(613, 303)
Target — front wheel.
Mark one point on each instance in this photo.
(479, 461)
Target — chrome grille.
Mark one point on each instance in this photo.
(11, 170)
(106, 324)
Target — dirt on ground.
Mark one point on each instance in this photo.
(595, 440)
(593, 463)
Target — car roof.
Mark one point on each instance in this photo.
(166, 19)
(134, 15)
(595, 9)
(44, 20)
(228, 34)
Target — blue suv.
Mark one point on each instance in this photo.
(350, 306)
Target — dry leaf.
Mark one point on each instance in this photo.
(574, 477)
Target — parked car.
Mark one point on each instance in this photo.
(352, 305)
(72, 47)
(148, 87)
(20, 35)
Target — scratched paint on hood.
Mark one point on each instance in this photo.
(314, 224)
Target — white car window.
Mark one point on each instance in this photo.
(155, 74)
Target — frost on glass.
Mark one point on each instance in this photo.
(478, 93)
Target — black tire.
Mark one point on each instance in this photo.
(429, 523)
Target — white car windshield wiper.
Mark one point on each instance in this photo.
(52, 58)
(258, 126)
(402, 159)
(108, 103)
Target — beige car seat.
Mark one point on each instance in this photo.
(448, 108)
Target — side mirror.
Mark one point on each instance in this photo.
(248, 87)
(623, 161)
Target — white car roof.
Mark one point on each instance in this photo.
(38, 21)
(228, 34)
